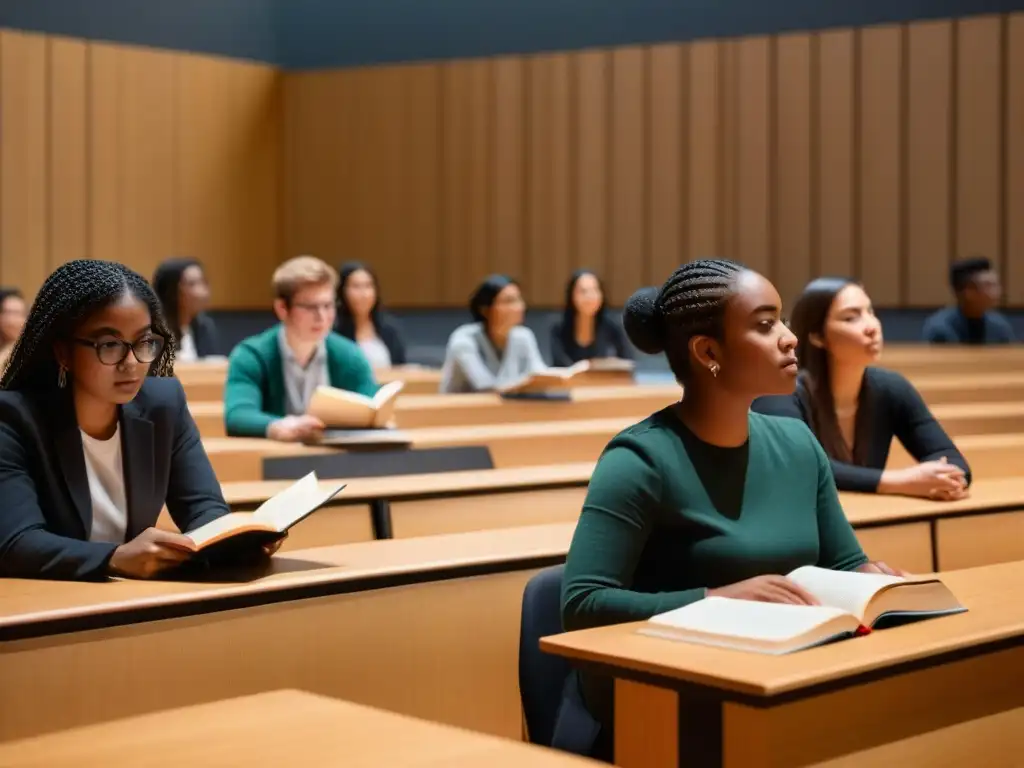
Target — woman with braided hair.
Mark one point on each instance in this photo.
(703, 497)
(94, 438)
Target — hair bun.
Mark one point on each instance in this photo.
(643, 321)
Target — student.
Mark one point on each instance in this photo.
(703, 497)
(495, 349)
(12, 320)
(361, 319)
(585, 331)
(272, 376)
(92, 446)
(184, 294)
(974, 319)
(854, 409)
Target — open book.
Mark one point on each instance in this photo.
(546, 380)
(339, 408)
(611, 365)
(268, 523)
(851, 604)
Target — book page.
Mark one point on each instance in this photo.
(286, 508)
(847, 590)
(339, 408)
(726, 617)
(387, 393)
(223, 524)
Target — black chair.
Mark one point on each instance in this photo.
(541, 675)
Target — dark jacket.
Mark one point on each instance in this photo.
(387, 330)
(206, 337)
(609, 341)
(45, 506)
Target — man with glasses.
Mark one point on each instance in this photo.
(272, 376)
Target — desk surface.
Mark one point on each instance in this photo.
(988, 495)
(35, 608)
(276, 729)
(995, 615)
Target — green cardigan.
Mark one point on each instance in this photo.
(254, 394)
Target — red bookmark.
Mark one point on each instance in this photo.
(862, 630)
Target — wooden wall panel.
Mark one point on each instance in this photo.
(507, 250)
(793, 210)
(929, 152)
(550, 174)
(668, 168)
(876, 153)
(979, 137)
(627, 263)
(68, 166)
(23, 160)
(1014, 189)
(593, 76)
(835, 124)
(880, 149)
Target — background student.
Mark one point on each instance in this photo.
(704, 497)
(92, 446)
(184, 294)
(12, 320)
(586, 332)
(855, 409)
(496, 349)
(272, 376)
(974, 319)
(362, 319)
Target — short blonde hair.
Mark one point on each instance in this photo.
(302, 272)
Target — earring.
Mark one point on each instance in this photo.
(714, 368)
(62, 377)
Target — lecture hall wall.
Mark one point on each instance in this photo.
(134, 154)
(881, 151)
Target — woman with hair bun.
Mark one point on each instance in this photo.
(703, 497)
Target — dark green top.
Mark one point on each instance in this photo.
(254, 393)
(668, 516)
(651, 539)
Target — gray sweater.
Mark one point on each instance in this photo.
(472, 364)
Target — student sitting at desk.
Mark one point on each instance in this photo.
(585, 331)
(272, 376)
(703, 497)
(854, 409)
(91, 445)
(181, 286)
(496, 349)
(362, 320)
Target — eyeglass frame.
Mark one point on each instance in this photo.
(126, 346)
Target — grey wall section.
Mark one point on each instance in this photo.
(245, 29)
(317, 34)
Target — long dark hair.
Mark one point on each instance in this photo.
(70, 294)
(5, 294)
(809, 317)
(346, 322)
(166, 283)
(569, 313)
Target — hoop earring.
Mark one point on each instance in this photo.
(714, 368)
(62, 377)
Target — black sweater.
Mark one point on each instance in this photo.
(889, 406)
(609, 341)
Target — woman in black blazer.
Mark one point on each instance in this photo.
(585, 331)
(361, 319)
(184, 294)
(92, 446)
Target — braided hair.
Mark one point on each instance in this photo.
(690, 303)
(70, 294)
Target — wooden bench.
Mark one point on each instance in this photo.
(284, 727)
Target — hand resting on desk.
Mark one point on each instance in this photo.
(154, 552)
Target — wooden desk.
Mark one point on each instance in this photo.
(944, 692)
(463, 410)
(279, 728)
(986, 387)
(914, 360)
(427, 627)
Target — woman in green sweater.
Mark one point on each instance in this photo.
(705, 497)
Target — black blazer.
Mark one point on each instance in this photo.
(609, 341)
(388, 332)
(205, 335)
(45, 506)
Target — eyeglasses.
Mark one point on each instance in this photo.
(324, 307)
(115, 351)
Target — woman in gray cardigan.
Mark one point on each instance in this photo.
(496, 349)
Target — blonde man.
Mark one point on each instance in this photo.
(272, 376)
